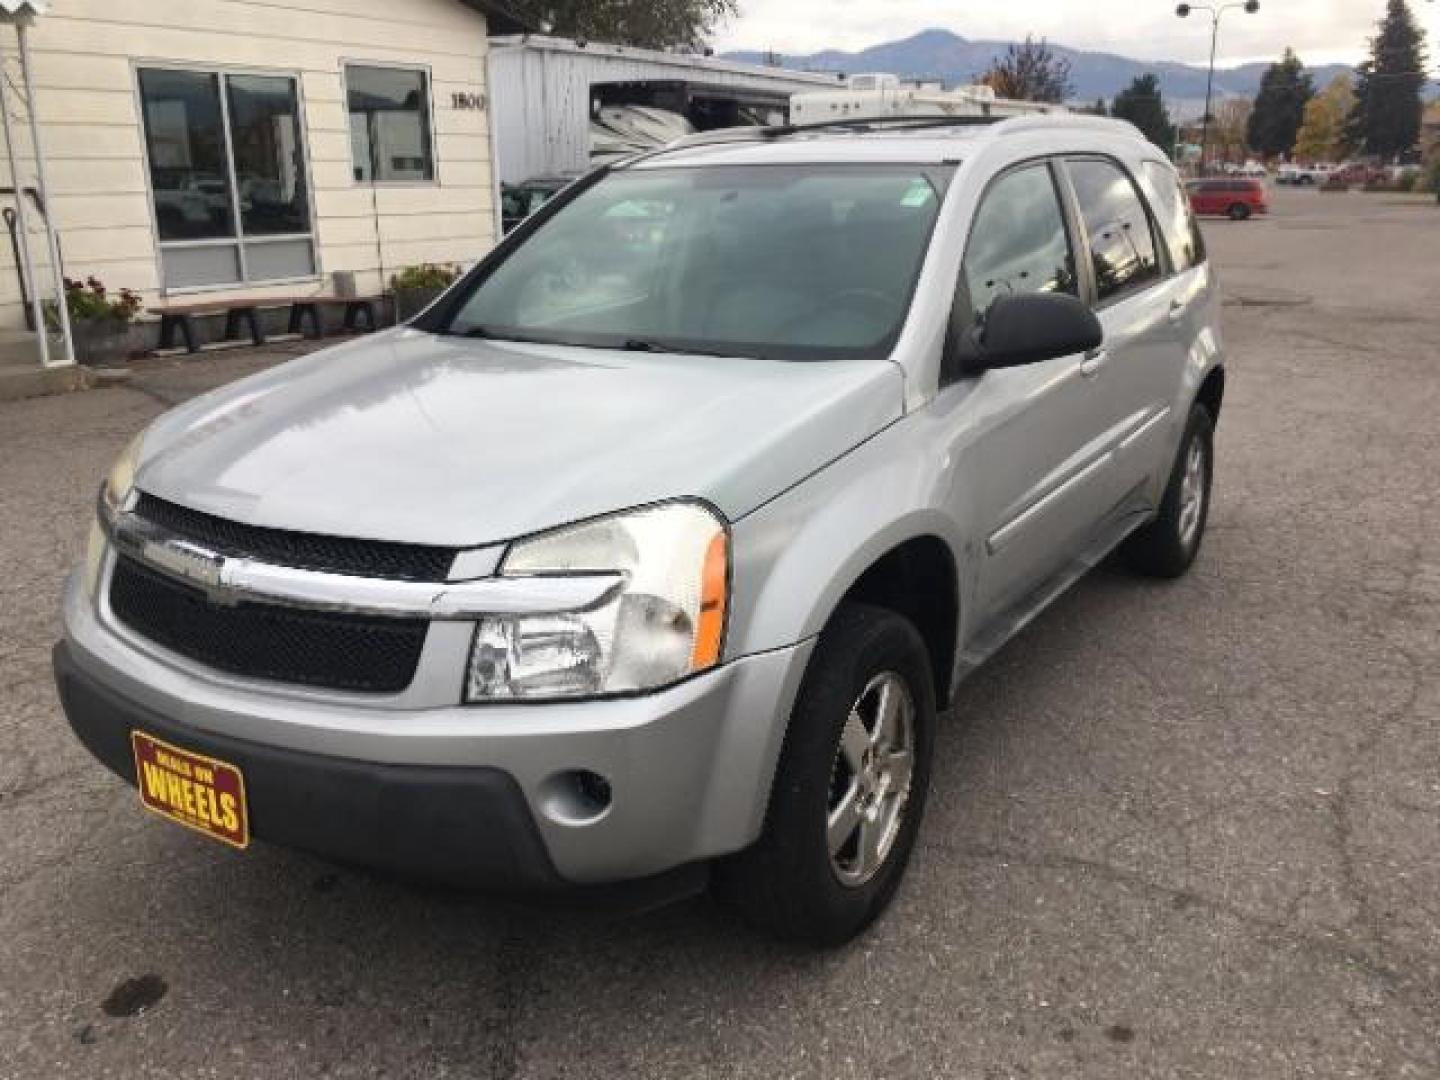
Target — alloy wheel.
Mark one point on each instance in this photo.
(1192, 492)
(871, 779)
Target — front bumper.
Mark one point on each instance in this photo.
(455, 793)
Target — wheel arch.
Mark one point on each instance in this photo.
(918, 580)
(1211, 392)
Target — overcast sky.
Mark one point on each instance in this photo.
(1321, 31)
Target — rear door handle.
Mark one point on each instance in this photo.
(1093, 362)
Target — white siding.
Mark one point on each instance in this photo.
(85, 55)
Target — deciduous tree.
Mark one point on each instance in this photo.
(1030, 72)
(652, 24)
(1228, 129)
(1323, 132)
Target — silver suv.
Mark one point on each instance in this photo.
(651, 550)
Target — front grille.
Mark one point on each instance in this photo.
(305, 551)
(335, 651)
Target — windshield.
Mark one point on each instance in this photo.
(804, 262)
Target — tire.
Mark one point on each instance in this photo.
(1167, 546)
(1238, 211)
(788, 884)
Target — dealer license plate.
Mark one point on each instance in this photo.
(199, 792)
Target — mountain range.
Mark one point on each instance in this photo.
(939, 54)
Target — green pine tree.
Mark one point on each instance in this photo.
(1142, 105)
(1279, 110)
(1386, 117)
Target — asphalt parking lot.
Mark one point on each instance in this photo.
(1185, 830)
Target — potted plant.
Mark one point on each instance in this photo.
(416, 287)
(100, 323)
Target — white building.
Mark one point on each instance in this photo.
(228, 147)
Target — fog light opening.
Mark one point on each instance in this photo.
(576, 797)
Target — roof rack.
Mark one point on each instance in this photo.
(858, 124)
(864, 124)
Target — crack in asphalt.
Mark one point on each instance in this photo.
(1416, 988)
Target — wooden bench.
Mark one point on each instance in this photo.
(245, 311)
(357, 309)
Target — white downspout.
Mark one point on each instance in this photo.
(56, 270)
(498, 207)
(21, 217)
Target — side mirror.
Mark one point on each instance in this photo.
(1029, 328)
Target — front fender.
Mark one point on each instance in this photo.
(796, 556)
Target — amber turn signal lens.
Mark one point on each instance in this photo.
(714, 584)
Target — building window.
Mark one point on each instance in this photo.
(227, 175)
(389, 125)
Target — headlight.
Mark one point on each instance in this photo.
(121, 480)
(114, 494)
(665, 621)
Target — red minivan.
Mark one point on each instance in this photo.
(1236, 199)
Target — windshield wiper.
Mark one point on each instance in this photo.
(650, 346)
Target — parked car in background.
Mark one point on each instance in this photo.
(1249, 168)
(1304, 175)
(1235, 199)
(656, 546)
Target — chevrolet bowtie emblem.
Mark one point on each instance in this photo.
(193, 563)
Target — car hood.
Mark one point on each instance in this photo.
(415, 437)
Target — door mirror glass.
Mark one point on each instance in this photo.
(1027, 329)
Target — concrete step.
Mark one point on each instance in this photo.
(21, 375)
(31, 380)
(19, 347)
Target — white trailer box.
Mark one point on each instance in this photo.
(866, 97)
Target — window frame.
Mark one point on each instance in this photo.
(238, 240)
(1157, 239)
(432, 141)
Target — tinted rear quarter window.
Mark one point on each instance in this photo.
(1177, 222)
(1122, 248)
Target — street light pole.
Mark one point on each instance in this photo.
(1250, 7)
(1209, 85)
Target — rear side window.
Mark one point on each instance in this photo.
(1018, 243)
(1122, 250)
(1177, 222)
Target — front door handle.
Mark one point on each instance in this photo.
(1177, 311)
(1093, 362)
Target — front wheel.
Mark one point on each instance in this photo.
(1239, 212)
(1167, 546)
(850, 789)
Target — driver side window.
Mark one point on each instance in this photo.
(1018, 243)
